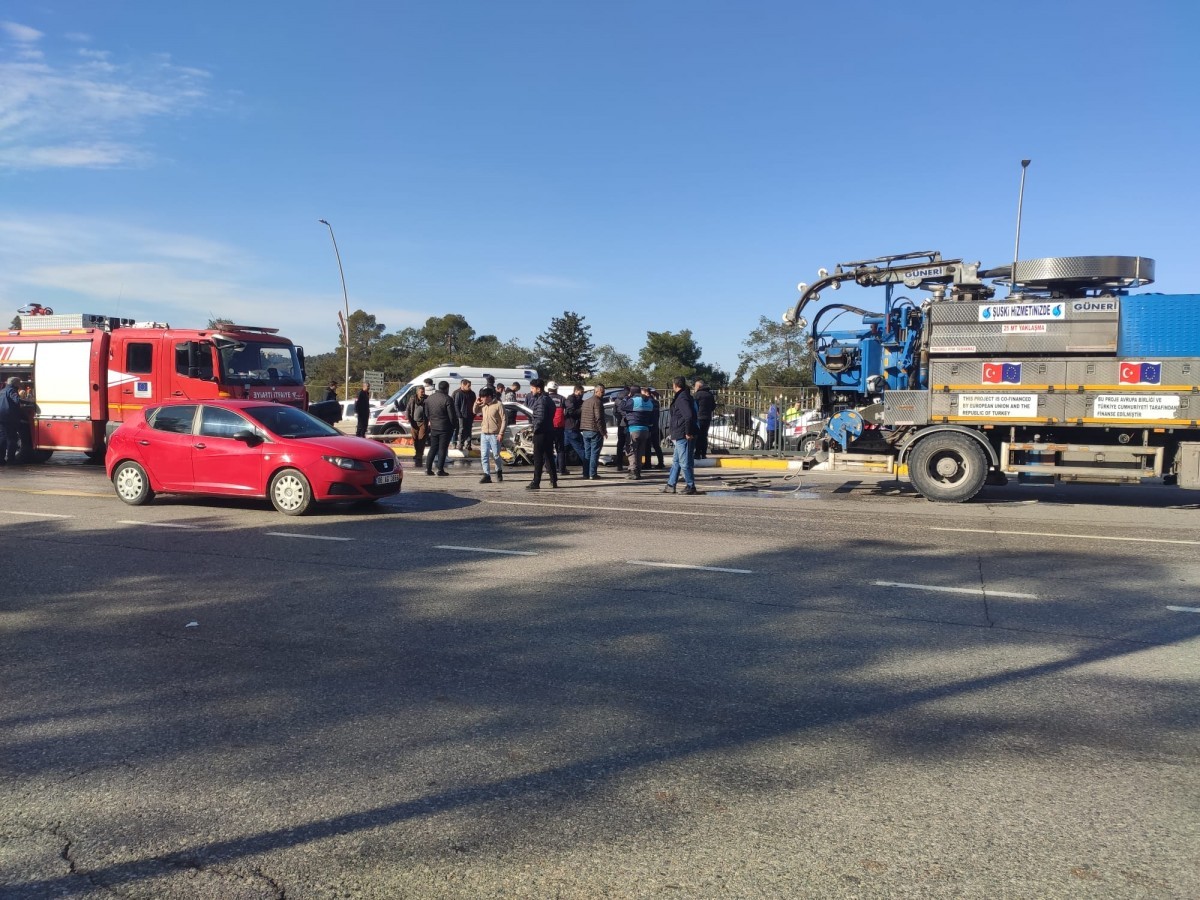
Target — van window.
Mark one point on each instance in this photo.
(138, 358)
(175, 419)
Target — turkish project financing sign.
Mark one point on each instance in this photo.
(1010, 406)
(1135, 406)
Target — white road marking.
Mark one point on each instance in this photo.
(664, 565)
(632, 509)
(308, 537)
(155, 524)
(978, 592)
(21, 512)
(1195, 609)
(485, 550)
(1086, 537)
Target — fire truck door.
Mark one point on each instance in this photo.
(193, 376)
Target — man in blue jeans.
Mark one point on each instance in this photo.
(594, 429)
(683, 431)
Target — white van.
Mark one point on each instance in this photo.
(391, 418)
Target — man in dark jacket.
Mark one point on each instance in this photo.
(622, 430)
(439, 412)
(10, 421)
(464, 404)
(683, 432)
(572, 436)
(541, 428)
(331, 391)
(594, 429)
(362, 409)
(706, 404)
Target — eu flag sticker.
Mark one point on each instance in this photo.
(1140, 373)
(1001, 373)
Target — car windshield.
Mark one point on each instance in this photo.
(258, 362)
(289, 422)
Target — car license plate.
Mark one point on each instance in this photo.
(387, 479)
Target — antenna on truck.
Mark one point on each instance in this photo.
(1012, 277)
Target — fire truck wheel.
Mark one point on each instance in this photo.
(290, 492)
(948, 467)
(132, 484)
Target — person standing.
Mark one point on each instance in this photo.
(772, 424)
(593, 429)
(541, 427)
(572, 437)
(510, 395)
(655, 433)
(491, 432)
(418, 422)
(560, 424)
(362, 409)
(683, 432)
(10, 421)
(639, 416)
(331, 391)
(622, 428)
(706, 404)
(464, 402)
(439, 410)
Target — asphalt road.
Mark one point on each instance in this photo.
(820, 686)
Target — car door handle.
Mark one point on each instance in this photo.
(144, 443)
(199, 446)
(176, 393)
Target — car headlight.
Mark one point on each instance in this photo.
(344, 462)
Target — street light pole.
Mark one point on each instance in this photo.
(346, 300)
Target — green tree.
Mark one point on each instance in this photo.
(451, 335)
(667, 355)
(566, 349)
(365, 334)
(216, 323)
(775, 354)
(614, 368)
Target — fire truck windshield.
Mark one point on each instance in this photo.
(259, 363)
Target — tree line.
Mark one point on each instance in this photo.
(565, 352)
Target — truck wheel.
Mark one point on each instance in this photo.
(948, 468)
(290, 492)
(132, 484)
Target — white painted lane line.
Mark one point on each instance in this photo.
(307, 537)
(664, 565)
(155, 524)
(485, 550)
(978, 592)
(1086, 537)
(632, 509)
(1192, 609)
(21, 512)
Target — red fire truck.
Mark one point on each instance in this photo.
(82, 374)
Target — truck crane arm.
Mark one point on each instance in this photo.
(915, 270)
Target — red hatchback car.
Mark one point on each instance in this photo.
(246, 448)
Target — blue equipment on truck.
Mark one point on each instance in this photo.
(1069, 377)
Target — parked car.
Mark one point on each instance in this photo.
(246, 448)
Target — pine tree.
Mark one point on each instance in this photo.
(566, 348)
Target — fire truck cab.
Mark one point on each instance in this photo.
(86, 373)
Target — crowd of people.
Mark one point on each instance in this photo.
(440, 420)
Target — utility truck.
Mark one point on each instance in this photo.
(1069, 377)
(83, 374)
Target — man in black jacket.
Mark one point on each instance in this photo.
(683, 432)
(362, 409)
(706, 403)
(541, 427)
(572, 436)
(464, 405)
(439, 411)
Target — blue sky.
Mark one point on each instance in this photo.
(650, 165)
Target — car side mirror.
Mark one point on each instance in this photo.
(247, 437)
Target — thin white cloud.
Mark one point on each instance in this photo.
(85, 110)
(77, 264)
(21, 33)
(552, 282)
